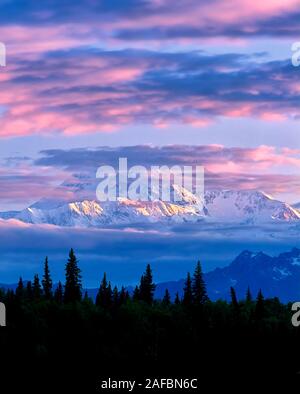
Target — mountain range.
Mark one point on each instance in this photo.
(277, 276)
(229, 206)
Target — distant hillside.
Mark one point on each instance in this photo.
(276, 276)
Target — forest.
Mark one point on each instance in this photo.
(56, 333)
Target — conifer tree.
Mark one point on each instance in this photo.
(234, 301)
(177, 299)
(187, 291)
(136, 294)
(140, 287)
(248, 295)
(36, 288)
(198, 286)
(20, 284)
(20, 288)
(116, 296)
(123, 296)
(104, 296)
(109, 294)
(10, 297)
(260, 306)
(147, 287)
(73, 287)
(47, 281)
(167, 298)
(86, 297)
(58, 294)
(29, 292)
(102, 291)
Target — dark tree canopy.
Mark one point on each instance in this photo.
(147, 287)
(59, 294)
(167, 298)
(260, 306)
(47, 281)
(198, 286)
(248, 295)
(177, 299)
(73, 287)
(36, 288)
(234, 301)
(104, 296)
(187, 291)
(20, 288)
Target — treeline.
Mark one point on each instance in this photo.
(122, 333)
(194, 292)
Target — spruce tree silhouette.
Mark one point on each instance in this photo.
(20, 288)
(100, 298)
(198, 286)
(167, 298)
(147, 287)
(73, 287)
(104, 296)
(29, 293)
(116, 296)
(187, 291)
(36, 288)
(58, 294)
(235, 307)
(234, 301)
(109, 295)
(123, 296)
(86, 297)
(260, 306)
(140, 288)
(47, 281)
(136, 294)
(248, 295)
(177, 299)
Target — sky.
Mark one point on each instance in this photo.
(157, 81)
(90, 73)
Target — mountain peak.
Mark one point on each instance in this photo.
(218, 206)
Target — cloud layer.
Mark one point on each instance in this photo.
(68, 175)
(77, 68)
(124, 254)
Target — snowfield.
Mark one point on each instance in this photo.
(240, 207)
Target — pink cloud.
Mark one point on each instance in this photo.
(273, 117)
(24, 184)
(79, 91)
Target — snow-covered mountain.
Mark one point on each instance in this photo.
(250, 207)
(93, 213)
